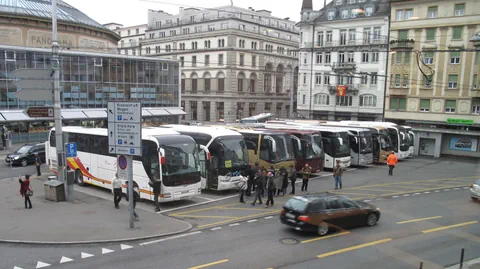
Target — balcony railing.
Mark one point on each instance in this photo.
(337, 43)
(351, 88)
(343, 66)
(403, 44)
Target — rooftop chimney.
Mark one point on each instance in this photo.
(307, 5)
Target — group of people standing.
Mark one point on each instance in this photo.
(271, 182)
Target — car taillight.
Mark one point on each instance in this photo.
(282, 211)
(471, 186)
(304, 218)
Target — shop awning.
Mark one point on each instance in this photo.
(175, 111)
(76, 114)
(15, 116)
(96, 114)
(159, 112)
(145, 113)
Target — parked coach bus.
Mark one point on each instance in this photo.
(411, 140)
(229, 155)
(167, 156)
(307, 146)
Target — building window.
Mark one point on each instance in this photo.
(398, 104)
(251, 109)
(254, 61)
(242, 59)
(329, 37)
(319, 58)
(365, 57)
(331, 15)
(304, 79)
(268, 107)
(377, 33)
(404, 14)
(207, 60)
(328, 57)
(474, 82)
(321, 99)
(428, 57)
(252, 83)
(326, 79)
(368, 101)
(452, 81)
(399, 56)
(186, 31)
(455, 57)
(345, 14)
(343, 37)
(426, 83)
(450, 106)
(221, 84)
(305, 58)
(432, 12)
(476, 108)
(208, 84)
(343, 100)
(351, 1)
(207, 44)
(182, 61)
(405, 80)
(459, 9)
(160, 34)
(320, 39)
(407, 57)
(354, 13)
(457, 32)
(220, 59)
(224, 26)
(198, 29)
(193, 109)
(367, 35)
(351, 34)
(192, 18)
(241, 43)
(173, 32)
(368, 11)
(374, 78)
(194, 84)
(128, 32)
(431, 34)
(375, 56)
(211, 27)
(221, 43)
(220, 111)
(206, 111)
(182, 85)
(424, 105)
(194, 45)
(364, 79)
(194, 61)
(318, 79)
(240, 84)
(397, 80)
(304, 97)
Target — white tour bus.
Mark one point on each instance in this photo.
(397, 133)
(411, 140)
(167, 156)
(229, 155)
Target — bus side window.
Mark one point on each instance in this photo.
(265, 150)
(327, 147)
(251, 142)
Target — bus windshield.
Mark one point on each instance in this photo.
(180, 159)
(410, 138)
(231, 151)
(341, 145)
(366, 142)
(404, 141)
(385, 141)
(312, 148)
(393, 133)
(317, 145)
(284, 148)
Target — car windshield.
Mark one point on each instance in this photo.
(341, 145)
(296, 205)
(23, 149)
(231, 151)
(180, 159)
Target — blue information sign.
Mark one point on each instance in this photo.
(71, 150)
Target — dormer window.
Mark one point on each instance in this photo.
(331, 15)
(338, 2)
(352, 1)
(354, 13)
(368, 11)
(345, 14)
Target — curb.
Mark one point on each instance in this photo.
(190, 226)
(465, 264)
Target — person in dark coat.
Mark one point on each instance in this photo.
(25, 190)
(293, 177)
(136, 197)
(38, 162)
(258, 187)
(251, 179)
(285, 182)
(270, 188)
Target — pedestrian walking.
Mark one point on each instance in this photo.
(242, 185)
(136, 197)
(284, 182)
(117, 190)
(264, 181)
(156, 186)
(293, 177)
(337, 175)
(25, 190)
(306, 171)
(392, 161)
(251, 178)
(38, 162)
(278, 182)
(270, 188)
(258, 187)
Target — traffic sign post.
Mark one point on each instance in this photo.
(70, 152)
(125, 140)
(33, 84)
(40, 112)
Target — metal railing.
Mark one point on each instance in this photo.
(337, 43)
(347, 65)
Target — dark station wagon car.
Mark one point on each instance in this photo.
(26, 154)
(323, 212)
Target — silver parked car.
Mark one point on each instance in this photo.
(475, 190)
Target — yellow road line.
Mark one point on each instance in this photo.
(209, 264)
(405, 187)
(415, 220)
(323, 237)
(354, 248)
(237, 219)
(448, 227)
(206, 217)
(247, 208)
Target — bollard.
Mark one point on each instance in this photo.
(461, 258)
(421, 265)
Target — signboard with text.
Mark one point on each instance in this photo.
(125, 128)
(40, 112)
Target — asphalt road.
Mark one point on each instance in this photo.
(423, 228)
(7, 171)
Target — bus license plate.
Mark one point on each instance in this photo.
(183, 192)
(289, 215)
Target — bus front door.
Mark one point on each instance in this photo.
(204, 160)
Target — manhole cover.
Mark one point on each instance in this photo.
(289, 241)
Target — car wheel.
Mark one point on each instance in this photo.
(79, 178)
(372, 219)
(322, 229)
(474, 198)
(24, 162)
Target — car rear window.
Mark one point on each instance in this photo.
(296, 205)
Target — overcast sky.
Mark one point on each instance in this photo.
(134, 12)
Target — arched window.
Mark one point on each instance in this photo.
(321, 99)
(207, 82)
(368, 100)
(221, 81)
(240, 81)
(194, 79)
(252, 83)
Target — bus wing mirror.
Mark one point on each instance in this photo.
(162, 156)
(299, 143)
(207, 152)
(274, 143)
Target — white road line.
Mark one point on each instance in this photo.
(437, 191)
(427, 192)
(252, 220)
(406, 195)
(366, 201)
(234, 224)
(446, 190)
(465, 187)
(395, 196)
(16, 267)
(269, 217)
(65, 259)
(456, 188)
(216, 228)
(417, 193)
(42, 264)
(123, 247)
(197, 204)
(205, 198)
(86, 255)
(169, 238)
(106, 251)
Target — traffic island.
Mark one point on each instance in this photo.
(85, 220)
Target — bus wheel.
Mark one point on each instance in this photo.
(79, 178)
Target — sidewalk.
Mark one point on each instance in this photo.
(87, 219)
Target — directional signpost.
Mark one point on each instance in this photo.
(125, 140)
(34, 84)
(40, 111)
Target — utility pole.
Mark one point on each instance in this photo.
(57, 104)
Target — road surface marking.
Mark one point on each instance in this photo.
(323, 237)
(269, 217)
(234, 224)
(352, 193)
(239, 219)
(216, 228)
(42, 264)
(427, 192)
(372, 189)
(465, 187)
(86, 255)
(106, 251)
(456, 188)
(16, 267)
(201, 209)
(123, 247)
(446, 189)
(169, 238)
(205, 198)
(65, 259)
(354, 248)
(208, 264)
(417, 193)
(406, 195)
(252, 220)
(448, 227)
(415, 220)
(366, 201)
(246, 208)
(437, 191)
(206, 217)
(405, 187)
(395, 196)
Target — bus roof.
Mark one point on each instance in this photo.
(252, 130)
(213, 131)
(284, 128)
(146, 131)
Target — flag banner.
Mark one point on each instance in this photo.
(342, 90)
